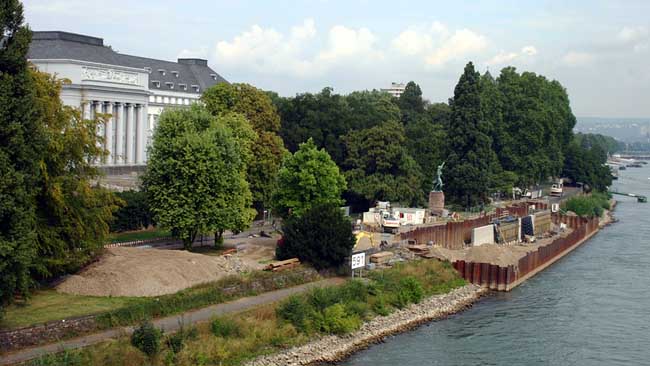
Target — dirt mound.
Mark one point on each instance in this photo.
(149, 272)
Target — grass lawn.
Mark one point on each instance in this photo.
(138, 235)
(47, 305)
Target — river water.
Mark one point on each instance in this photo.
(590, 308)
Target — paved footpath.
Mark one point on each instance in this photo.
(169, 324)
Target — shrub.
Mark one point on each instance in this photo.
(296, 311)
(321, 236)
(147, 338)
(358, 308)
(409, 291)
(588, 206)
(336, 320)
(380, 307)
(176, 341)
(225, 327)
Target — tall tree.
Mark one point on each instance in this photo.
(307, 178)
(411, 103)
(268, 150)
(195, 178)
(21, 146)
(73, 216)
(378, 166)
(470, 155)
(425, 140)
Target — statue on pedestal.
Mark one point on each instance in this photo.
(437, 184)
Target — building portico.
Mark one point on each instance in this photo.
(129, 92)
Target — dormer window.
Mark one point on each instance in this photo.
(170, 84)
(182, 86)
(162, 72)
(213, 76)
(156, 83)
(175, 73)
(196, 88)
(147, 69)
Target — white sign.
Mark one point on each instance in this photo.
(358, 260)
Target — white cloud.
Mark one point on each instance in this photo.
(575, 58)
(633, 34)
(529, 50)
(268, 51)
(438, 45)
(502, 58)
(506, 57)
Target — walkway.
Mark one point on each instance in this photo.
(170, 324)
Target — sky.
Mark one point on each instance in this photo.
(598, 49)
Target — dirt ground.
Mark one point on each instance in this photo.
(502, 255)
(152, 272)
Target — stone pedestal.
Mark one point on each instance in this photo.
(436, 203)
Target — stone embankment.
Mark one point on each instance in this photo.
(336, 348)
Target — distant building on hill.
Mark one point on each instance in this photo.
(395, 89)
(133, 90)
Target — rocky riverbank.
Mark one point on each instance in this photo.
(336, 348)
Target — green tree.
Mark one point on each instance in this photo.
(268, 149)
(321, 236)
(195, 178)
(326, 117)
(378, 166)
(134, 214)
(470, 159)
(425, 139)
(411, 104)
(307, 178)
(21, 146)
(73, 216)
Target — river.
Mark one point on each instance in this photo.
(590, 308)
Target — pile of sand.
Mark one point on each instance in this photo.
(149, 272)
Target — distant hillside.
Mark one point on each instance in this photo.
(624, 129)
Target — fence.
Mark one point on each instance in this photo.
(505, 278)
(454, 234)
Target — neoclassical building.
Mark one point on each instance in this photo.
(133, 90)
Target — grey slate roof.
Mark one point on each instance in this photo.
(64, 45)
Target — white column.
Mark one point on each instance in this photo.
(119, 134)
(139, 135)
(110, 133)
(85, 107)
(129, 135)
(149, 135)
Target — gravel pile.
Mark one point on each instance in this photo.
(337, 348)
(149, 272)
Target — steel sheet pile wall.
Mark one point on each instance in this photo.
(501, 278)
(454, 235)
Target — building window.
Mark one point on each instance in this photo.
(156, 83)
(159, 99)
(162, 72)
(166, 100)
(175, 73)
(170, 84)
(152, 99)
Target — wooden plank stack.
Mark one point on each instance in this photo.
(282, 265)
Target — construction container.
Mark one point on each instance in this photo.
(542, 222)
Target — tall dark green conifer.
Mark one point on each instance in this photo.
(21, 145)
(470, 160)
(411, 103)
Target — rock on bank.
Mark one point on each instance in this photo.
(336, 348)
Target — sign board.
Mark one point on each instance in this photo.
(358, 260)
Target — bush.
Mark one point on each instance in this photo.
(176, 341)
(321, 236)
(588, 206)
(225, 328)
(296, 311)
(380, 307)
(335, 319)
(147, 338)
